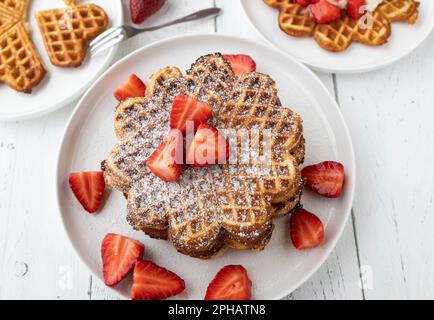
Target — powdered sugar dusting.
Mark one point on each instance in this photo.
(231, 198)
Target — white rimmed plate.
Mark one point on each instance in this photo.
(89, 136)
(357, 58)
(60, 86)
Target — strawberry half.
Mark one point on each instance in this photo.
(88, 188)
(185, 109)
(325, 178)
(324, 12)
(166, 161)
(306, 228)
(208, 147)
(355, 8)
(241, 63)
(143, 9)
(119, 255)
(132, 88)
(152, 282)
(230, 283)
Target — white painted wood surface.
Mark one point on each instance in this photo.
(386, 250)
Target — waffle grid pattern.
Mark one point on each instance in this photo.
(339, 35)
(216, 206)
(20, 65)
(66, 32)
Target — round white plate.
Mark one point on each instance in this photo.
(60, 86)
(89, 137)
(357, 58)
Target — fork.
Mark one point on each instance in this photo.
(114, 35)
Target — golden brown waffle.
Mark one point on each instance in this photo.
(161, 76)
(67, 31)
(6, 22)
(213, 207)
(338, 36)
(14, 8)
(20, 65)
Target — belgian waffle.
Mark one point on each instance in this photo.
(338, 36)
(20, 65)
(213, 207)
(66, 32)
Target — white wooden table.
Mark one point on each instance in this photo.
(386, 250)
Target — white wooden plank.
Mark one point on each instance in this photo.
(339, 277)
(390, 116)
(36, 260)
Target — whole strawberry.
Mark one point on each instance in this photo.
(143, 9)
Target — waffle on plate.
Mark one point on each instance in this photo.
(66, 32)
(337, 36)
(211, 207)
(20, 64)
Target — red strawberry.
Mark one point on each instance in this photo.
(355, 8)
(119, 255)
(185, 109)
(324, 12)
(305, 3)
(88, 188)
(306, 228)
(325, 178)
(166, 161)
(143, 9)
(241, 63)
(152, 282)
(132, 88)
(230, 283)
(208, 147)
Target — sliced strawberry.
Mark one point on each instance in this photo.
(230, 283)
(305, 3)
(166, 161)
(241, 63)
(324, 12)
(143, 9)
(185, 109)
(208, 147)
(88, 188)
(325, 178)
(119, 255)
(306, 228)
(132, 88)
(355, 8)
(152, 282)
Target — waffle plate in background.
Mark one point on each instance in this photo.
(89, 136)
(358, 57)
(60, 86)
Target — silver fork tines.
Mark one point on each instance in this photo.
(114, 35)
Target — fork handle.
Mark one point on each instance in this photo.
(210, 12)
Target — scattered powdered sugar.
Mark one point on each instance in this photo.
(204, 198)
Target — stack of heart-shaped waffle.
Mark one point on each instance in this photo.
(20, 65)
(216, 206)
(296, 21)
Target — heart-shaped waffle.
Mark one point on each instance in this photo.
(216, 206)
(339, 35)
(20, 65)
(66, 32)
